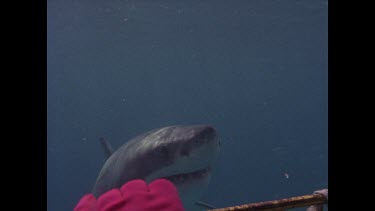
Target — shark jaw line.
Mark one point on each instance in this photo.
(189, 177)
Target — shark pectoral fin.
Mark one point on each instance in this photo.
(203, 204)
(108, 151)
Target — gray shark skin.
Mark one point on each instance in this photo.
(182, 154)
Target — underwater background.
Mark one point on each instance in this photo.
(256, 70)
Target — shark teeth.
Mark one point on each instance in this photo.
(181, 178)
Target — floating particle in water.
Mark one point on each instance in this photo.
(286, 175)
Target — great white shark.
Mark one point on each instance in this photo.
(182, 154)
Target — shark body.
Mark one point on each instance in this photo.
(182, 154)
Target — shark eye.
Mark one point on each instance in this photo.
(163, 151)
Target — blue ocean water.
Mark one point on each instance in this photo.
(255, 70)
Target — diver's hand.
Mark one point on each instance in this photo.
(136, 195)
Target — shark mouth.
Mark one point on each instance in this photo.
(190, 176)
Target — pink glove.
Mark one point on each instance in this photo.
(160, 195)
